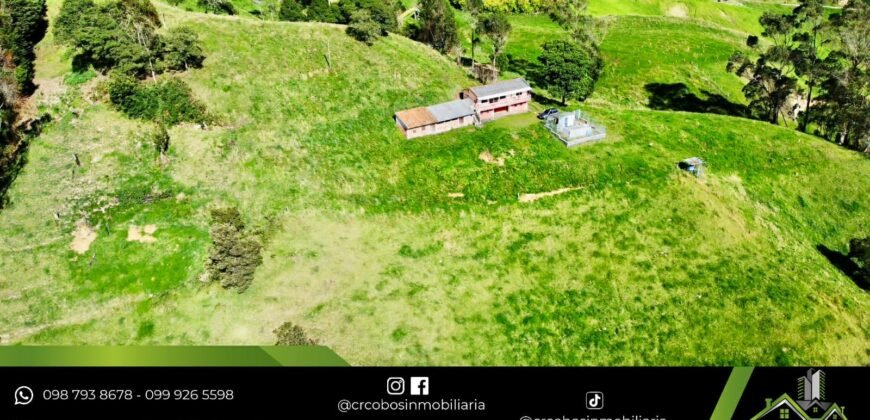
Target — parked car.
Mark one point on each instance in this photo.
(550, 112)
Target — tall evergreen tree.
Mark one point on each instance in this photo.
(438, 27)
(806, 54)
(24, 25)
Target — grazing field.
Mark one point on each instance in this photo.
(419, 252)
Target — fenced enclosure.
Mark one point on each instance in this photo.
(575, 128)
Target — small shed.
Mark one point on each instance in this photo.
(692, 165)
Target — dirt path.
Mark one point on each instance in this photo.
(528, 198)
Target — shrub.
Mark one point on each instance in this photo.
(323, 11)
(363, 27)
(234, 256)
(217, 6)
(859, 253)
(291, 11)
(290, 334)
(181, 49)
(168, 101)
(160, 139)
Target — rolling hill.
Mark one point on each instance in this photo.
(370, 247)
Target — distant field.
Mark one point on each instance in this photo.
(371, 248)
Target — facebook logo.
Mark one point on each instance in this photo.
(419, 385)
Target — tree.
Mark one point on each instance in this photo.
(323, 11)
(810, 20)
(572, 15)
(363, 27)
(181, 49)
(438, 27)
(844, 113)
(291, 11)
(24, 24)
(234, 255)
(140, 19)
(497, 27)
(770, 81)
(568, 70)
(122, 36)
(98, 37)
(474, 8)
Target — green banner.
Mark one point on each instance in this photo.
(156, 356)
(731, 394)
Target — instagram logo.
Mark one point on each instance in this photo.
(395, 386)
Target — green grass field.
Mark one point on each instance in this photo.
(369, 248)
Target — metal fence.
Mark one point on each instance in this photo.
(574, 128)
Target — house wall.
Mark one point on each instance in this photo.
(490, 109)
(428, 130)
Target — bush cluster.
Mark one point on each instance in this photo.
(122, 35)
(234, 255)
(290, 334)
(383, 12)
(217, 6)
(168, 101)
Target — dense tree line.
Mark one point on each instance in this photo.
(23, 24)
(366, 19)
(383, 11)
(121, 37)
(512, 6)
(826, 60)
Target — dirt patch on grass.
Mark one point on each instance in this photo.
(488, 157)
(678, 10)
(142, 234)
(456, 195)
(83, 236)
(527, 198)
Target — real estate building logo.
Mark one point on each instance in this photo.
(810, 405)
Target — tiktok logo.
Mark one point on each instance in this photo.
(594, 400)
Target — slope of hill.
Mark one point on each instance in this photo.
(373, 251)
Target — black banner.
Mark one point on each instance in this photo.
(419, 393)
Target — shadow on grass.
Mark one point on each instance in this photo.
(10, 166)
(14, 158)
(546, 101)
(845, 265)
(677, 97)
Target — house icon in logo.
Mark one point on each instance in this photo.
(810, 405)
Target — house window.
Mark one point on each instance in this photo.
(783, 413)
(815, 409)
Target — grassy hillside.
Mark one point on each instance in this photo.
(372, 250)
